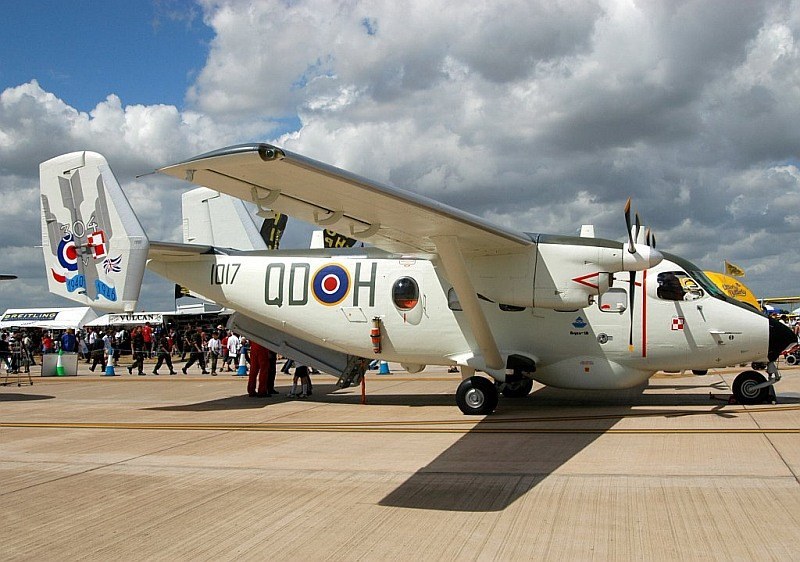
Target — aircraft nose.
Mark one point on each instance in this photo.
(780, 337)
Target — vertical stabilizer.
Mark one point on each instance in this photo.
(95, 250)
(215, 219)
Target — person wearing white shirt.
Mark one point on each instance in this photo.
(233, 350)
(214, 351)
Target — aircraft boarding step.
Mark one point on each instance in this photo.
(353, 372)
(349, 368)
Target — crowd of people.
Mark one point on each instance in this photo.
(213, 350)
(18, 350)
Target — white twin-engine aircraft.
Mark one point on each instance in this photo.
(436, 286)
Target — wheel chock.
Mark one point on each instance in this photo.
(730, 399)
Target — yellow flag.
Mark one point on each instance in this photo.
(734, 270)
(733, 288)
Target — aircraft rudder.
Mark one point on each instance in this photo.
(95, 249)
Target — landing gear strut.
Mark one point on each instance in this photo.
(476, 396)
(517, 387)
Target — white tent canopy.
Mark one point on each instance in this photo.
(156, 318)
(128, 319)
(48, 318)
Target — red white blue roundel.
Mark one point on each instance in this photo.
(330, 284)
(68, 253)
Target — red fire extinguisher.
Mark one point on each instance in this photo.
(375, 335)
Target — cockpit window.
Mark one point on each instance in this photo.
(678, 286)
(707, 284)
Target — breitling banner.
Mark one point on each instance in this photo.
(335, 240)
(272, 230)
(733, 270)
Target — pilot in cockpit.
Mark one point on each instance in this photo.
(674, 286)
(669, 287)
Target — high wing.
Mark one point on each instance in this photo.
(388, 218)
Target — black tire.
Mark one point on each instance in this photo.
(744, 391)
(791, 359)
(476, 396)
(518, 388)
(700, 372)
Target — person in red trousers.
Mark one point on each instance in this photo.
(259, 367)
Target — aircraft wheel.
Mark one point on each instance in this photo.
(476, 396)
(791, 359)
(700, 371)
(744, 388)
(518, 388)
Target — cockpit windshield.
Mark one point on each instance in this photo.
(693, 280)
(708, 286)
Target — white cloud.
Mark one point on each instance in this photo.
(538, 115)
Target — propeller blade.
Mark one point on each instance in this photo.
(654, 241)
(631, 294)
(648, 236)
(638, 227)
(629, 225)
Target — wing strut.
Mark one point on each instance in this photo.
(456, 271)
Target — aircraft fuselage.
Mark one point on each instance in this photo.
(331, 298)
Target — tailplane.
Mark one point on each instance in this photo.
(95, 249)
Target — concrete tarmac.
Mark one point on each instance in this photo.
(190, 468)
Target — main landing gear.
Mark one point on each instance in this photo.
(517, 386)
(478, 396)
(751, 387)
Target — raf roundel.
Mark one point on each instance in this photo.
(68, 253)
(330, 284)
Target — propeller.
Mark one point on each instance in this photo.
(631, 247)
(630, 307)
(634, 228)
(632, 250)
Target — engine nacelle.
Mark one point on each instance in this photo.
(560, 273)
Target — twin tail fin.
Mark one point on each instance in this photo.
(95, 249)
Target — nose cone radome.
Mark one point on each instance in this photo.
(780, 337)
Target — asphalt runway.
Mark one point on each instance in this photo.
(189, 467)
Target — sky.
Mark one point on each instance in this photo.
(540, 116)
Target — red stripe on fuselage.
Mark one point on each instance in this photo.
(644, 313)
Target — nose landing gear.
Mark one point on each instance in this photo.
(751, 387)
